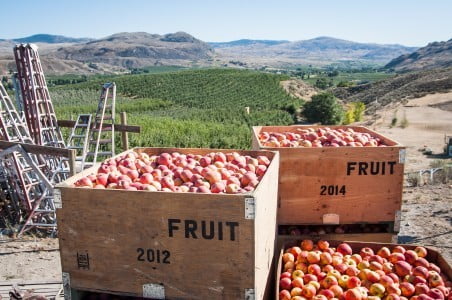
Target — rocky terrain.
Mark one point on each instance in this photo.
(398, 89)
(434, 55)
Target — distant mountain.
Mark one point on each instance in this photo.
(137, 49)
(319, 50)
(434, 55)
(246, 42)
(49, 39)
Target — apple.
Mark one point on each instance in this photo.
(344, 249)
(329, 281)
(436, 294)
(366, 252)
(402, 268)
(377, 289)
(396, 256)
(407, 289)
(309, 291)
(398, 249)
(384, 252)
(307, 245)
(410, 256)
(313, 257)
(326, 258)
(298, 282)
(323, 245)
(314, 269)
(421, 251)
(422, 262)
(337, 290)
(329, 294)
(307, 278)
(320, 297)
(386, 280)
(285, 283)
(352, 294)
(343, 281)
(392, 296)
(353, 282)
(393, 289)
(284, 295)
(296, 291)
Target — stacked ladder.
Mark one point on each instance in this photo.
(38, 107)
(102, 137)
(78, 140)
(25, 187)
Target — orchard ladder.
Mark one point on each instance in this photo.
(78, 139)
(38, 107)
(102, 136)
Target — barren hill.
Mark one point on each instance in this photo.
(397, 89)
(434, 55)
(139, 49)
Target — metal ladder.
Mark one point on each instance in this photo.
(38, 108)
(12, 125)
(29, 183)
(102, 136)
(18, 94)
(78, 139)
(23, 174)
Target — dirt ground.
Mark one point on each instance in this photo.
(425, 127)
(426, 210)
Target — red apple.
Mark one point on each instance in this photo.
(344, 249)
(352, 294)
(285, 283)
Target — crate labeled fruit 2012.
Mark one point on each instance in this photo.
(335, 174)
(175, 243)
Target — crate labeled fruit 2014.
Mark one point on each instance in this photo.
(329, 175)
(166, 244)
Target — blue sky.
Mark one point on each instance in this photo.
(412, 23)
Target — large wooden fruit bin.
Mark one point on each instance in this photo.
(170, 245)
(335, 185)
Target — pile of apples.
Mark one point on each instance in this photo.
(219, 172)
(320, 137)
(321, 272)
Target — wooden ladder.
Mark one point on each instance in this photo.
(102, 137)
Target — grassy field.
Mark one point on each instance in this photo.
(188, 108)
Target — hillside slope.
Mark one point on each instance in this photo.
(398, 89)
(434, 55)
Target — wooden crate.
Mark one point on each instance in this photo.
(324, 185)
(432, 256)
(160, 244)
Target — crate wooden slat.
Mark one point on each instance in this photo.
(306, 175)
(433, 255)
(101, 233)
